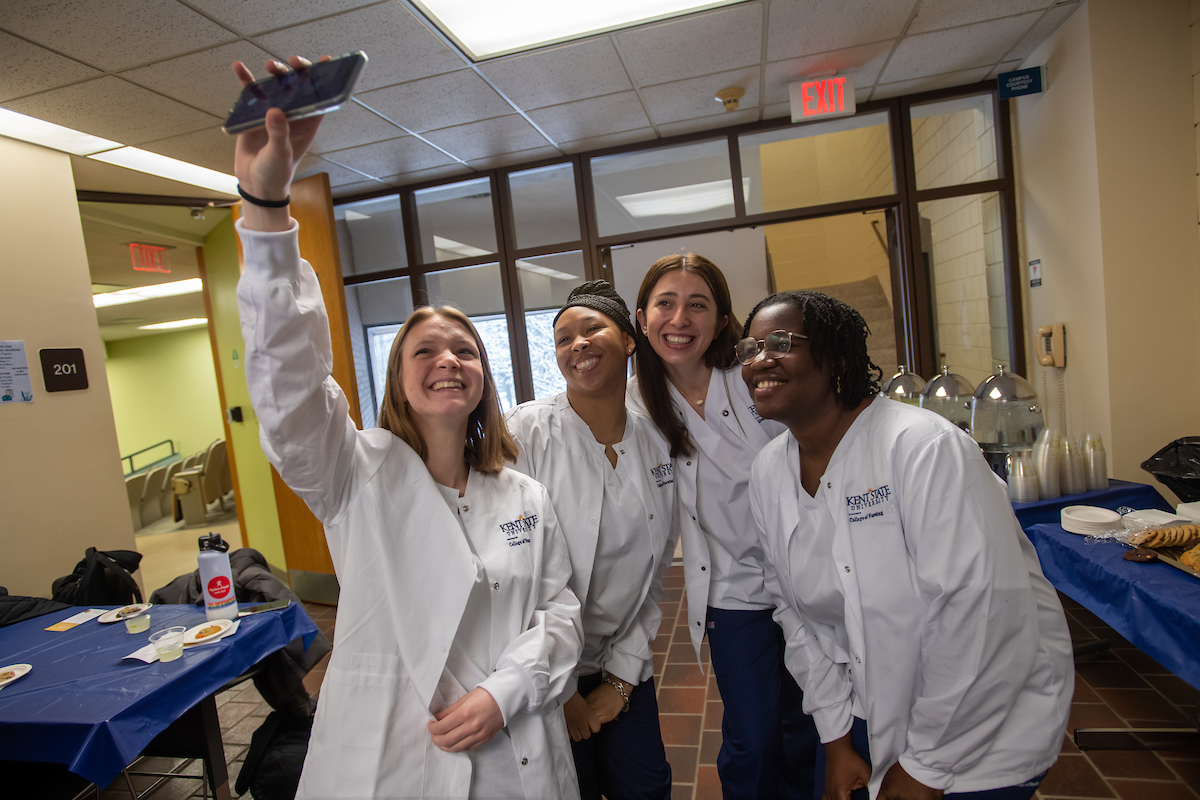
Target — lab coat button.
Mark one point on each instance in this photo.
(466, 509)
(689, 463)
(496, 585)
(704, 569)
(524, 762)
(651, 516)
(847, 569)
(697, 622)
(856, 660)
(622, 452)
(725, 413)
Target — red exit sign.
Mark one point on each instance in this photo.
(149, 258)
(822, 97)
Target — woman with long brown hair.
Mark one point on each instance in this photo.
(687, 381)
(455, 623)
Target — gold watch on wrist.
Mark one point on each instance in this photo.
(619, 685)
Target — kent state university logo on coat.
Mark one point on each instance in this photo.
(519, 529)
(868, 505)
(663, 475)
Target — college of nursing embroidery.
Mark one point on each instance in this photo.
(754, 411)
(663, 475)
(517, 530)
(860, 506)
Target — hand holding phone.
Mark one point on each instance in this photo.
(306, 91)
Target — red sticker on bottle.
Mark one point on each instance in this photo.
(218, 587)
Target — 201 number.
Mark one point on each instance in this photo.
(65, 369)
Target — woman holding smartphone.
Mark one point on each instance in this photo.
(608, 471)
(455, 622)
(687, 380)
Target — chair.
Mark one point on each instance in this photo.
(215, 463)
(167, 497)
(134, 485)
(151, 502)
(185, 488)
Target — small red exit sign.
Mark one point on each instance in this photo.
(822, 97)
(148, 258)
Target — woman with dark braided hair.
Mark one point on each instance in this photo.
(687, 381)
(916, 613)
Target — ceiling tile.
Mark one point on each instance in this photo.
(595, 117)
(937, 14)
(609, 140)
(931, 82)
(256, 16)
(978, 45)
(211, 148)
(437, 102)
(350, 126)
(345, 190)
(405, 154)
(696, 97)
(29, 68)
(709, 123)
(203, 79)
(861, 63)
(1041, 30)
(114, 109)
(560, 75)
(798, 28)
(1007, 66)
(422, 175)
(520, 157)
(776, 110)
(480, 139)
(338, 175)
(399, 47)
(716, 41)
(125, 34)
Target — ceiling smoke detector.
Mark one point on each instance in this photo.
(730, 97)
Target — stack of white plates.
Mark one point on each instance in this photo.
(1090, 520)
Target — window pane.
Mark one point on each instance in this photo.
(544, 205)
(817, 163)
(963, 245)
(660, 188)
(954, 141)
(477, 291)
(370, 235)
(545, 283)
(456, 221)
(375, 312)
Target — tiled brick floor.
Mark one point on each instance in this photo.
(1122, 687)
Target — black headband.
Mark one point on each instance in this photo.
(600, 296)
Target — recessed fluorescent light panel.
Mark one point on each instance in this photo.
(486, 29)
(164, 167)
(682, 200)
(47, 134)
(140, 293)
(194, 322)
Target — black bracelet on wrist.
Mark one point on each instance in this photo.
(258, 201)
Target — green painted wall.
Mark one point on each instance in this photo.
(256, 492)
(164, 387)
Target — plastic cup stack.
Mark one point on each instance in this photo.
(1022, 478)
(1045, 461)
(1072, 478)
(1095, 461)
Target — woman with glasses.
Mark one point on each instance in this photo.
(687, 382)
(608, 471)
(932, 652)
(455, 624)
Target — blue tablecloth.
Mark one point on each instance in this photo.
(1154, 606)
(84, 706)
(1119, 493)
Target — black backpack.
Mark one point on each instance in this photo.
(272, 767)
(102, 578)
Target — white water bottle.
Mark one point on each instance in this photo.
(216, 578)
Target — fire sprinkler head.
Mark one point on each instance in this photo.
(730, 97)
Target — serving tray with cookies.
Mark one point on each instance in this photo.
(1177, 545)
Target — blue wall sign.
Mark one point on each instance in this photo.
(1023, 81)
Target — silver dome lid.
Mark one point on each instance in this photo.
(946, 385)
(904, 386)
(1005, 387)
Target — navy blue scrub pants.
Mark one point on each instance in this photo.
(769, 745)
(626, 760)
(858, 736)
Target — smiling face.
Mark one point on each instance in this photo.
(680, 320)
(441, 372)
(592, 351)
(792, 388)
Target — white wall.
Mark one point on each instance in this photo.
(61, 486)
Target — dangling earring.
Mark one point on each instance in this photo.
(839, 384)
(629, 351)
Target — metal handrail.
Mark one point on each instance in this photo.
(129, 458)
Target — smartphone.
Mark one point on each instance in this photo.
(317, 89)
(274, 605)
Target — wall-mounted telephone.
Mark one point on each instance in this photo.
(1052, 345)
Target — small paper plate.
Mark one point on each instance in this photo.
(1090, 520)
(208, 632)
(118, 614)
(12, 672)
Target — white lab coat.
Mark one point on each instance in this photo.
(404, 567)
(558, 449)
(960, 652)
(728, 400)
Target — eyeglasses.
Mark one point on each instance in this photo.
(776, 345)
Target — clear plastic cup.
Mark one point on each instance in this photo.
(168, 643)
(138, 624)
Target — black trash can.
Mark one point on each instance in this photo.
(1177, 466)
